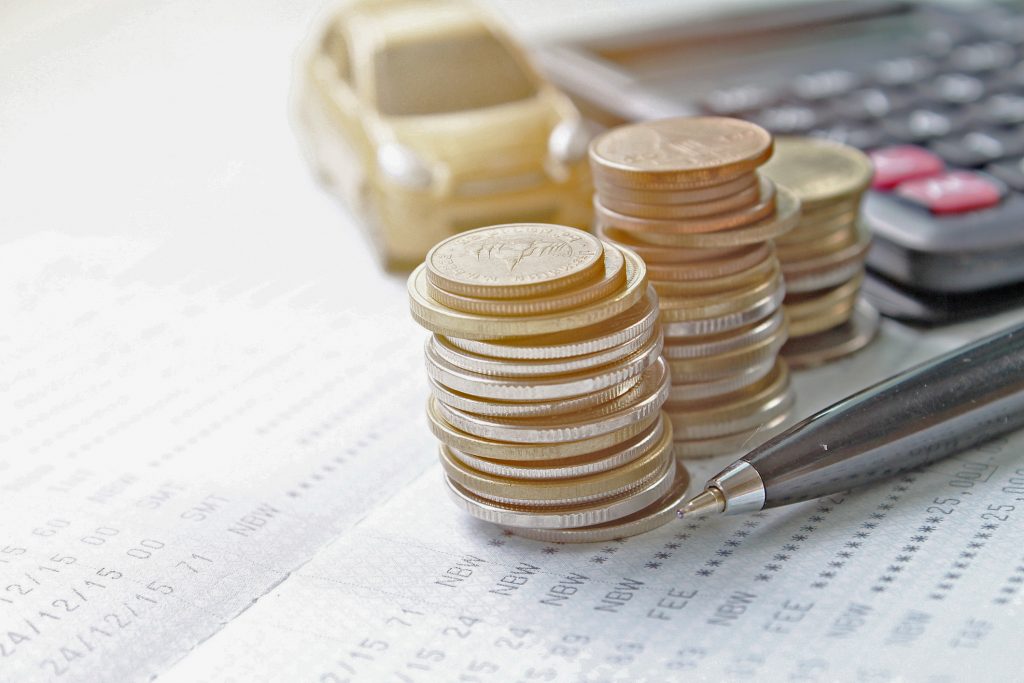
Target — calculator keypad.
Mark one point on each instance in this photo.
(944, 124)
(960, 96)
(952, 192)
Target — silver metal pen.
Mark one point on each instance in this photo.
(933, 410)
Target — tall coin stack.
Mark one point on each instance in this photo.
(823, 257)
(685, 194)
(547, 382)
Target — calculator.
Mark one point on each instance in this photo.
(934, 94)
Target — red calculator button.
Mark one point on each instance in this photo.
(955, 192)
(893, 165)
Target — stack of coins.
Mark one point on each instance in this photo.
(823, 257)
(686, 195)
(547, 382)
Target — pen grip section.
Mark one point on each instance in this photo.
(947, 405)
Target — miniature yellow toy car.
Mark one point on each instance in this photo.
(427, 119)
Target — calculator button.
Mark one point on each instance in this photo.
(824, 84)
(785, 119)
(987, 56)
(1010, 172)
(874, 103)
(861, 137)
(894, 165)
(1008, 80)
(979, 148)
(1008, 28)
(921, 125)
(904, 70)
(953, 192)
(940, 41)
(1004, 109)
(955, 88)
(739, 99)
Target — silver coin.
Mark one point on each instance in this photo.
(801, 284)
(700, 347)
(697, 391)
(651, 517)
(690, 370)
(622, 489)
(820, 348)
(487, 365)
(635, 405)
(572, 517)
(756, 311)
(563, 468)
(697, 426)
(541, 388)
(580, 342)
(528, 408)
(732, 444)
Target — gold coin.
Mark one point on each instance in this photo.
(810, 304)
(818, 171)
(658, 255)
(708, 368)
(737, 260)
(716, 285)
(681, 309)
(727, 384)
(541, 388)
(636, 322)
(827, 213)
(483, 406)
(732, 413)
(802, 234)
(715, 344)
(803, 272)
(614, 278)
(814, 282)
(679, 153)
(786, 216)
(636, 404)
(735, 202)
(752, 213)
(655, 515)
(563, 517)
(515, 260)
(812, 249)
(564, 491)
(579, 466)
(499, 450)
(450, 323)
(707, 326)
(488, 365)
(831, 317)
(846, 338)
(709, 193)
(740, 442)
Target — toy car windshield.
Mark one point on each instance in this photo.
(463, 72)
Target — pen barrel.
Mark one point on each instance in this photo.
(941, 407)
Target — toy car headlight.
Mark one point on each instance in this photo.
(568, 141)
(403, 167)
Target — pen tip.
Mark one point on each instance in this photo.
(705, 502)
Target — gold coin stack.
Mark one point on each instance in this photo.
(686, 195)
(823, 257)
(547, 382)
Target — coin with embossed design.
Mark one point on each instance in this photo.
(818, 171)
(514, 261)
(679, 153)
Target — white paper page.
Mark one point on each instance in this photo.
(916, 578)
(171, 451)
(198, 350)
